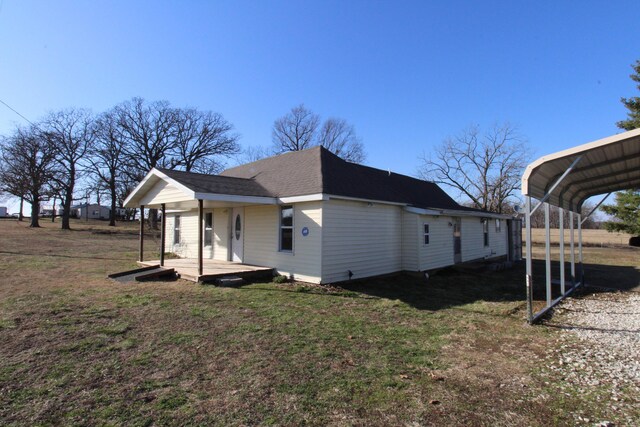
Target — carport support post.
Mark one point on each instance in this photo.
(561, 230)
(200, 239)
(547, 252)
(141, 248)
(580, 249)
(529, 276)
(573, 249)
(163, 232)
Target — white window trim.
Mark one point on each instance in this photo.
(281, 227)
(177, 219)
(485, 232)
(204, 231)
(426, 234)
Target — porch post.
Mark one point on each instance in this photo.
(163, 232)
(200, 239)
(141, 249)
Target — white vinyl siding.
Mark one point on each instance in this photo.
(221, 218)
(410, 241)
(162, 192)
(439, 252)
(261, 240)
(498, 239)
(188, 246)
(364, 239)
(473, 239)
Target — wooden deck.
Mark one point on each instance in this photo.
(187, 268)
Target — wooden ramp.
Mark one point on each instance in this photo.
(144, 273)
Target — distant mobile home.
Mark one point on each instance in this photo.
(318, 218)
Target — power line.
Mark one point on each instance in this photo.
(12, 109)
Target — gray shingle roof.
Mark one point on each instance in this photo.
(315, 171)
(216, 184)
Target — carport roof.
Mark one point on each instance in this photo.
(599, 167)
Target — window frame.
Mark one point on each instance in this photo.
(282, 228)
(485, 231)
(498, 225)
(177, 225)
(208, 227)
(426, 231)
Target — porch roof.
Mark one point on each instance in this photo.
(183, 189)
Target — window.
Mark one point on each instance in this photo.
(426, 233)
(485, 231)
(286, 228)
(208, 229)
(176, 230)
(498, 226)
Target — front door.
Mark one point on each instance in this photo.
(457, 245)
(237, 234)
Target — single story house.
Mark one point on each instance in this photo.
(318, 218)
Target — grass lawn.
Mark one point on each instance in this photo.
(76, 348)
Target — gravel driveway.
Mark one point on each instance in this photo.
(599, 350)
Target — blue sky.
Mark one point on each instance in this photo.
(405, 74)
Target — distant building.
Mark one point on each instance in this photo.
(3, 211)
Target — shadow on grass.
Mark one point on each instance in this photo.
(458, 286)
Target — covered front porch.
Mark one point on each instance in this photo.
(188, 268)
(193, 201)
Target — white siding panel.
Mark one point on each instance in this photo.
(163, 192)
(473, 239)
(221, 234)
(364, 239)
(498, 240)
(261, 240)
(188, 246)
(410, 241)
(439, 252)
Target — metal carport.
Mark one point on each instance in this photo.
(566, 179)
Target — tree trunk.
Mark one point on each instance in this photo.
(53, 211)
(112, 214)
(153, 219)
(20, 217)
(35, 210)
(66, 210)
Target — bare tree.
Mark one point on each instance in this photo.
(148, 133)
(70, 133)
(107, 158)
(339, 137)
(295, 130)
(27, 166)
(483, 167)
(200, 136)
(300, 129)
